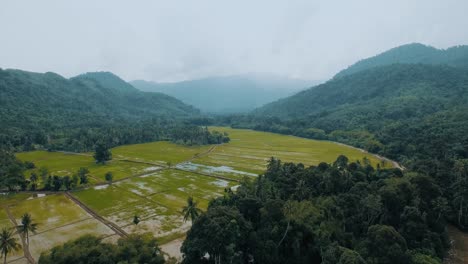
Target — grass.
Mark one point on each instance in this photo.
(49, 212)
(157, 197)
(250, 150)
(58, 219)
(62, 164)
(159, 152)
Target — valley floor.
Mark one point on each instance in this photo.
(152, 181)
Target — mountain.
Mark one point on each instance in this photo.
(399, 110)
(32, 100)
(228, 94)
(412, 54)
(381, 94)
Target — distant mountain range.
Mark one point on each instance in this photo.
(231, 94)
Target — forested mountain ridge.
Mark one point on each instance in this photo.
(49, 96)
(229, 94)
(36, 107)
(393, 92)
(414, 53)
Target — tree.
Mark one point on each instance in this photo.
(8, 243)
(43, 172)
(11, 170)
(141, 248)
(102, 154)
(83, 175)
(191, 210)
(136, 219)
(33, 178)
(27, 225)
(219, 232)
(384, 245)
(460, 191)
(109, 176)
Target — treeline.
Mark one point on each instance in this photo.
(198, 136)
(91, 249)
(345, 212)
(84, 139)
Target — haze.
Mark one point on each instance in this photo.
(179, 40)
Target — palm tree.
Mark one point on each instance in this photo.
(26, 226)
(191, 210)
(8, 243)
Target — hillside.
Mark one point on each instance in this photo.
(47, 109)
(412, 53)
(30, 99)
(376, 108)
(230, 94)
(390, 92)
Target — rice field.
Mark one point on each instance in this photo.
(58, 219)
(62, 164)
(153, 181)
(249, 151)
(156, 198)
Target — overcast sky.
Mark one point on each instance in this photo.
(176, 40)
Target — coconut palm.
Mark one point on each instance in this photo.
(27, 226)
(8, 243)
(191, 210)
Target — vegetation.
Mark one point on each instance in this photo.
(415, 114)
(345, 212)
(191, 210)
(91, 249)
(73, 114)
(109, 177)
(27, 225)
(102, 154)
(412, 54)
(8, 243)
(11, 171)
(199, 136)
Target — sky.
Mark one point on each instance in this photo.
(175, 40)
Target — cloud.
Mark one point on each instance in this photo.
(176, 40)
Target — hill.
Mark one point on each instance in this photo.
(35, 106)
(374, 109)
(390, 92)
(416, 114)
(231, 94)
(413, 54)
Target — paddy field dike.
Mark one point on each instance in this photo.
(153, 181)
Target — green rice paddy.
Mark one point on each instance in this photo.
(146, 186)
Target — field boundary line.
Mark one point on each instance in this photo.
(57, 227)
(101, 219)
(208, 175)
(208, 152)
(26, 252)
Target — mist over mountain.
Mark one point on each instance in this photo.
(230, 94)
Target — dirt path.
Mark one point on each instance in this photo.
(201, 154)
(458, 253)
(173, 248)
(27, 254)
(394, 163)
(101, 219)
